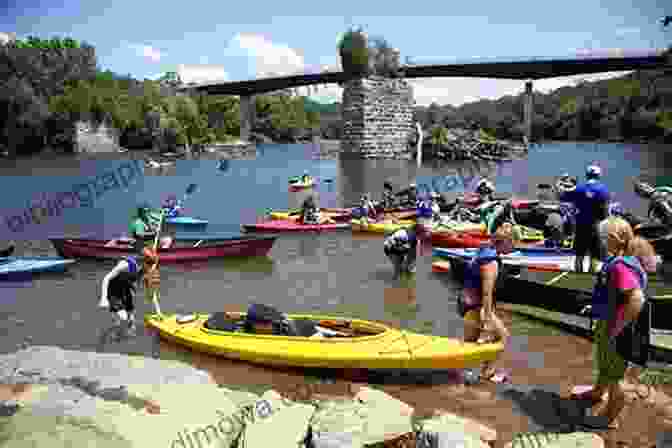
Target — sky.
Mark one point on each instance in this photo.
(209, 41)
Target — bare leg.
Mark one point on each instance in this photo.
(615, 405)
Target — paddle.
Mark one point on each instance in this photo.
(156, 244)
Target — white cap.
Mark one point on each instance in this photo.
(412, 185)
(593, 170)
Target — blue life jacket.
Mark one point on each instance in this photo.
(472, 272)
(358, 212)
(133, 264)
(600, 302)
(171, 212)
(424, 209)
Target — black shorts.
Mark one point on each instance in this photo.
(121, 303)
(394, 251)
(587, 240)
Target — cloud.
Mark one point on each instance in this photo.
(267, 58)
(147, 52)
(202, 73)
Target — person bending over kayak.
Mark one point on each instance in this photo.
(143, 230)
(401, 248)
(477, 302)
(172, 207)
(118, 291)
(591, 200)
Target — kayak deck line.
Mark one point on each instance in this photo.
(555, 279)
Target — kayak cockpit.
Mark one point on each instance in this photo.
(298, 327)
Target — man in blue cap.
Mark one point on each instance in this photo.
(591, 200)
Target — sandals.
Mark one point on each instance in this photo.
(497, 376)
(585, 392)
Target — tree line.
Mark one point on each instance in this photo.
(634, 107)
(47, 86)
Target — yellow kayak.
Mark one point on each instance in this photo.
(358, 344)
(359, 225)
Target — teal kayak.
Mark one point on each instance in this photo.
(186, 221)
(18, 266)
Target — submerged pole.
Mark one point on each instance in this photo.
(419, 153)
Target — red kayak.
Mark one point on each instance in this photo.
(467, 239)
(112, 249)
(288, 225)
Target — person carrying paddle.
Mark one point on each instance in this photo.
(142, 230)
(118, 291)
(476, 304)
(618, 299)
(401, 249)
(591, 200)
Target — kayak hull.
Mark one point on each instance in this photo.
(359, 225)
(385, 348)
(102, 249)
(569, 292)
(293, 226)
(186, 221)
(19, 267)
(542, 259)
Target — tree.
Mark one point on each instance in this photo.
(439, 137)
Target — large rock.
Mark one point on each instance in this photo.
(571, 440)
(372, 417)
(449, 429)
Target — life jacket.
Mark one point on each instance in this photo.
(472, 271)
(171, 212)
(125, 282)
(424, 209)
(401, 240)
(600, 302)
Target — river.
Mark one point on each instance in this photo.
(333, 273)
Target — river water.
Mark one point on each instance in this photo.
(333, 273)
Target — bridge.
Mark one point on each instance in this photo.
(530, 70)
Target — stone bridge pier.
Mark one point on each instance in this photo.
(247, 116)
(528, 110)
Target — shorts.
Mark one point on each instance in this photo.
(121, 303)
(609, 366)
(587, 240)
(391, 251)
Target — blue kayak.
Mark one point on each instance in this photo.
(540, 252)
(12, 266)
(186, 221)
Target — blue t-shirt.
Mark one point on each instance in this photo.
(589, 198)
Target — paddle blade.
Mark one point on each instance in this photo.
(191, 189)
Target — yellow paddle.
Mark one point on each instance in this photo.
(155, 298)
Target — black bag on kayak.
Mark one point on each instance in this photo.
(633, 343)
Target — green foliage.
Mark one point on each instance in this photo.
(55, 43)
(361, 56)
(439, 136)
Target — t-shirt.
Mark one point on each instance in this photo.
(137, 226)
(622, 279)
(588, 198)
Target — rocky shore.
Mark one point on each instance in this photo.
(114, 400)
(463, 144)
